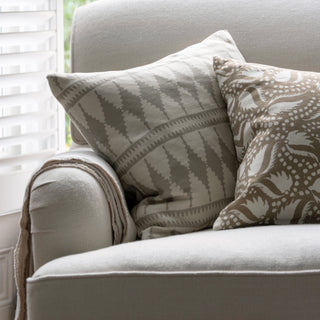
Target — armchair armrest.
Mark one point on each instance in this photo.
(71, 209)
(73, 203)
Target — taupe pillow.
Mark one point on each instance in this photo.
(275, 119)
(164, 129)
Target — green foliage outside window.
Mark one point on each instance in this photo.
(69, 6)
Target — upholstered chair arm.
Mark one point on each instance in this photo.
(76, 205)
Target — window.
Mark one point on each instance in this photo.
(31, 122)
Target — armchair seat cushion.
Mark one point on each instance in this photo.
(166, 278)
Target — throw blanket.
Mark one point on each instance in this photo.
(122, 224)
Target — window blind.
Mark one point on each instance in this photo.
(31, 122)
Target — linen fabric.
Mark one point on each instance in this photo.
(274, 264)
(164, 129)
(275, 119)
(151, 29)
(52, 223)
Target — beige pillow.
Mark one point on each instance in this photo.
(275, 119)
(164, 129)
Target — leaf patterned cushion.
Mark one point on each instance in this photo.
(275, 120)
(164, 129)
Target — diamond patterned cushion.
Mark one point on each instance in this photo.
(164, 129)
(275, 120)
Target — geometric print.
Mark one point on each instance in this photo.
(275, 119)
(164, 129)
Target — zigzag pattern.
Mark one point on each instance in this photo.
(165, 130)
(187, 218)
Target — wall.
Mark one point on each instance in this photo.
(9, 228)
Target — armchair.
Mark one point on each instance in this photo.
(269, 272)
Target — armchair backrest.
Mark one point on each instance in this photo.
(119, 34)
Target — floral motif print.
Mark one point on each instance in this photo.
(275, 120)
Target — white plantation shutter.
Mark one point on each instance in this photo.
(31, 122)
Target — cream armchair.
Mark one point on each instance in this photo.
(250, 273)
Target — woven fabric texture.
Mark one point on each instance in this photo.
(164, 129)
(275, 120)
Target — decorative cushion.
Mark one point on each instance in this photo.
(275, 119)
(164, 129)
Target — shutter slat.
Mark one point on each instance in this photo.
(25, 58)
(24, 98)
(31, 122)
(25, 158)
(22, 79)
(21, 2)
(22, 138)
(25, 118)
(34, 18)
(19, 38)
